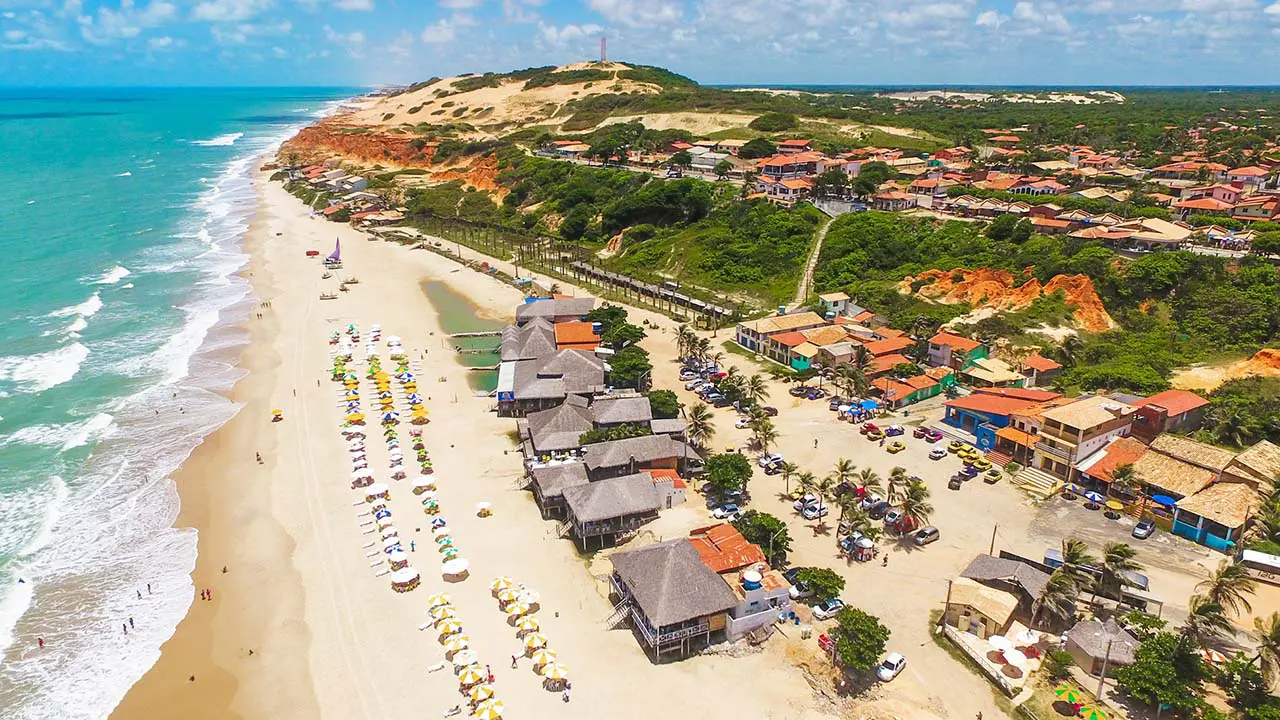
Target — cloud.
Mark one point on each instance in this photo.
(441, 32)
(460, 4)
(246, 33)
(1273, 9)
(559, 37)
(229, 10)
(990, 18)
(125, 22)
(13, 36)
(361, 5)
(401, 48)
(517, 11)
(638, 13)
(279, 52)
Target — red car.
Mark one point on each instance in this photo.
(932, 436)
(868, 427)
(919, 432)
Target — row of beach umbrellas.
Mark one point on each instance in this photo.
(519, 603)
(473, 679)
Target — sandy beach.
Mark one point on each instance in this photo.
(328, 637)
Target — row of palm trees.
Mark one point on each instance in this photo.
(1081, 571)
(909, 495)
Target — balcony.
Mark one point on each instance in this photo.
(1060, 453)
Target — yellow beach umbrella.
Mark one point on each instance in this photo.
(480, 692)
(527, 624)
(457, 643)
(471, 675)
(535, 640)
(543, 656)
(440, 598)
(501, 583)
(490, 712)
(355, 417)
(555, 671)
(448, 626)
(508, 595)
(518, 609)
(441, 612)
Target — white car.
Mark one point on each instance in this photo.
(828, 609)
(804, 502)
(891, 667)
(728, 512)
(937, 453)
(742, 423)
(870, 500)
(814, 511)
(767, 460)
(693, 385)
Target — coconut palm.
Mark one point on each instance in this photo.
(701, 425)
(844, 471)
(897, 484)
(869, 481)
(685, 340)
(915, 503)
(1206, 620)
(1059, 596)
(765, 434)
(788, 469)
(716, 357)
(1076, 560)
(1266, 631)
(757, 390)
(1118, 559)
(1228, 586)
(806, 480)
(824, 488)
(851, 512)
(1124, 480)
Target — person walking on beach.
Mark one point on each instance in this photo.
(125, 628)
(209, 592)
(139, 594)
(131, 624)
(148, 588)
(413, 546)
(566, 694)
(513, 661)
(40, 642)
(488, 671)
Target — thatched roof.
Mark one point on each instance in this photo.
(643, 449)
(616, 410)
(1092, 636)
(671, 584)
(560, 427)
(988, 568)
(613, 498)
(1227, 503)
(1191, 451)
(1177, 477)
(1259, 464)
(554, 479)
(550, 309)
(994, 603)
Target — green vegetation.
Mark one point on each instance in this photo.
(826, 584)
(664, 404)
(1167, 671)
(767, 532)
(728, 471)
(860, 639)
(619, 432)
(566, 77)
(775, 122)
(757, 148)
(1242, 412)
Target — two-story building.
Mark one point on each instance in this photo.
(597, 513)
(1169, 411)
(636, 454)
(954, 351)
(1075, 431)
(763, 594)
(755, 335)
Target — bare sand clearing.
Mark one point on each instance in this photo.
(329, 638)
(698, 123)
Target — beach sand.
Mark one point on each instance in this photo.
(329, 639)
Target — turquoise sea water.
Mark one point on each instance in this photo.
(121, 213)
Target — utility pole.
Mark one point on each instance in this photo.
(1102, 679)
(992, 551)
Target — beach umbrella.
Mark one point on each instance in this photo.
(1027, 637)
(1094, 497)
(390, 543)
(542, 656)
(466, 657)
(428, 495)
(1164, 500)
(384, 523)
(457, 643)
(555, 671)
(508, 595)
(438, 522)
(441, 612)
(518, 610)
(1092, 713)
(501, 583)
(999, 643)
(471, 676)
(535, 640)
(527, 624)
(1115, 505)
(528, 597)
(439, 530)
(444, 543)
(440, 598)
(490, 711)
(480, 692)
(450, 553)
(448, 626)
(390, 532)
(1015, 658)
(1067, 694)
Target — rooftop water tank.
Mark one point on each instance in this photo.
(752, 580)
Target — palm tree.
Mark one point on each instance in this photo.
(805, 481)
(685, 340)
(915, 503)
(851, 511)
(897, 482)
(702, 425)
(824, 488)
(1228, 586)
(1206, 620)
(870, 481)
(1059, 596)
(765, 434)
(788, 469)
(703, 347)
(1077, 561)
(844, 471)
(716, 357)
(1267, 634)
(1124, 480)
(1117, 561)
(757, 390)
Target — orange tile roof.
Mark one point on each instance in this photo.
(790, 339)
(884, 363)
(921, 382)
(797, 184)
(668, 474)
(892, 388)
(888, 333)
(794, 143)
(955, 342)
(1050, 222)
(1006, 138)
(1204, 203)
(1020, 393)
(723, 549)
(1016, 436)
(863, 316)
(1176, 402)
(577, 334)
(990, 404)
(1121, 451)
(889, 345)
(1249, 171)
(1039, 363)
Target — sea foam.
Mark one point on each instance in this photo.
(219, 141)
(41, 371)
(113, 276)
(86, 309)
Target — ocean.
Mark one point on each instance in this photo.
(121, 214)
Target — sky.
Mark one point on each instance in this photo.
(857, 42)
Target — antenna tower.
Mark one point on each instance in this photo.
(604, 57)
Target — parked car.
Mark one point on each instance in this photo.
(773, 468)
(891, 667)
(827, 610)
(937, 454)
(868, 427)
(742, 423)
(955, 482)
(807, 500)
(816, 393)
(991, 476)
(932, 435)
(798, 391)
(835, 403)
(790, 575)
(718, 401)
(1144, 529)
(878, 510)
(955, 446)
(687, 375)
(770, 411)
(727, 512)
(982, 464)
(895, 447)
(919, 432)
(814, 511)
(894, 430)
(892, 517)
(875, 435)
(769, 459)
(925, 535)
(694, 384)
(969, 471)
(869, 501)
(713, 501)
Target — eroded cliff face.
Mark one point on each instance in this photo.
(999, 290)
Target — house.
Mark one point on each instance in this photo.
(754, 335)
(795, 146)
(1256, 208)
(555, 430)
(1202, 206)
(888, 346)
(835, 303)
(885, 363)
(1017, 439)
(787, 191)
(982, 415)
(707, 161)
(1075, 431)
(549, 483)
(1051, 226)
(792, 166)
(1153, 233)
(1095, 644)
(1039, 370)
(979, 610)
(535, 340)
(893, 201)
(723, 549)
(555, 310)
(1029, 186)
(676, 604)
(1101, 465)
(530, 385)
(672, 489)
(954, 351)
(613, 410)
(603, 510)
(1047, 210)
(1169, 411)
(632, 455)
(1020, 579)
(1251, 176)
(987, 372)
(897, 393)
(577, 335)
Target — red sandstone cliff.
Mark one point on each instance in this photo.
(998, 290)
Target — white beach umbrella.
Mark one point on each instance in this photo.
(441, 612)
(397, 555)
(529, 597)
(999, 643)
(1015, 658)
(390, 543)
(555, 671)
(533, 641)
(441, 531)
(501, 583)
(466, 657)
(456, 566)
(384, 523)
(1027, 637)
(390, 532)
(457, 643)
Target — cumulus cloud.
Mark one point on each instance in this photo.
(352, 41)
(228, 10)
(441, 32)
(561, 36)
(125, 22)
(990, 18)
(460, 4)
(638, 13)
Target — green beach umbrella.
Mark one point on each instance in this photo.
(1092, 713)
(1068, 694)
